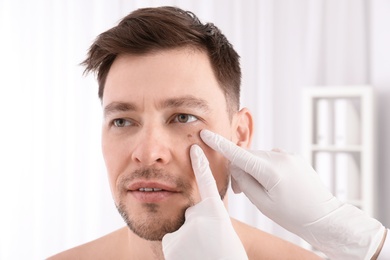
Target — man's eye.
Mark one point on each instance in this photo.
(120, 122)
(184, 118)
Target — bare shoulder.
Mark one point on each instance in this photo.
(262, 245)
(102, 248)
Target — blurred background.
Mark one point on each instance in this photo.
(54, 192)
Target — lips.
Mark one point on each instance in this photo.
(151, 191)
(151, 186)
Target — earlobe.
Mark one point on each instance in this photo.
(244, 128)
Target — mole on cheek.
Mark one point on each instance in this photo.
(193, 139)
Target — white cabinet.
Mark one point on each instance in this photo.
(339, 141)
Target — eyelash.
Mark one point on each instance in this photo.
(189, 115)
(175, 119)
(117, 121)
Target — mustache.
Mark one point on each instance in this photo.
(151, 173)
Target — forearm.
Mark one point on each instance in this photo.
(346, 233)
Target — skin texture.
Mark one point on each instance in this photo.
(147, 132)
(153, 141)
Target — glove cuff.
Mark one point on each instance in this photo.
(346, 233)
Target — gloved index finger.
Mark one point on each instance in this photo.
(238, 156)
(204, 177)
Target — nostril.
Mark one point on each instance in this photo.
(150, 149)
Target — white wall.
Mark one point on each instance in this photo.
(380, 78)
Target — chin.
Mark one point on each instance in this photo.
(153, 224)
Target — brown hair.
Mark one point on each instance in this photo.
(153, 29)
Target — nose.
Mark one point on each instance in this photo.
(152, 147)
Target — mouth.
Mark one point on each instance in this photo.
(151, 191)
(151, 186)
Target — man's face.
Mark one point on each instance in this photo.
(154, 108)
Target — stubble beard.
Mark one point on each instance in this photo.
(155, 226)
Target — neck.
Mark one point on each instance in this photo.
(156, 248)
(143, 249)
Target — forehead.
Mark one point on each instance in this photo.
(161, 74)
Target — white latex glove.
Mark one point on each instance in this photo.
(287, 190)
(207, 232)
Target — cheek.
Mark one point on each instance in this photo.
(113, 156)
(192, 137)
(109, 154)
(218, 164)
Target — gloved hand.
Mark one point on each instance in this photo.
(287, 190)
(207, 232)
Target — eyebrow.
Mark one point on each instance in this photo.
(116, 107)
(185, 102)
(176, 102)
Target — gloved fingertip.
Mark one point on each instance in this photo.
(196, 150)
(206, 135)
(198, 159)
(204, 177)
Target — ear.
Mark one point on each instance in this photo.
(243, 128)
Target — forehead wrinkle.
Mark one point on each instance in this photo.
(185, 102)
